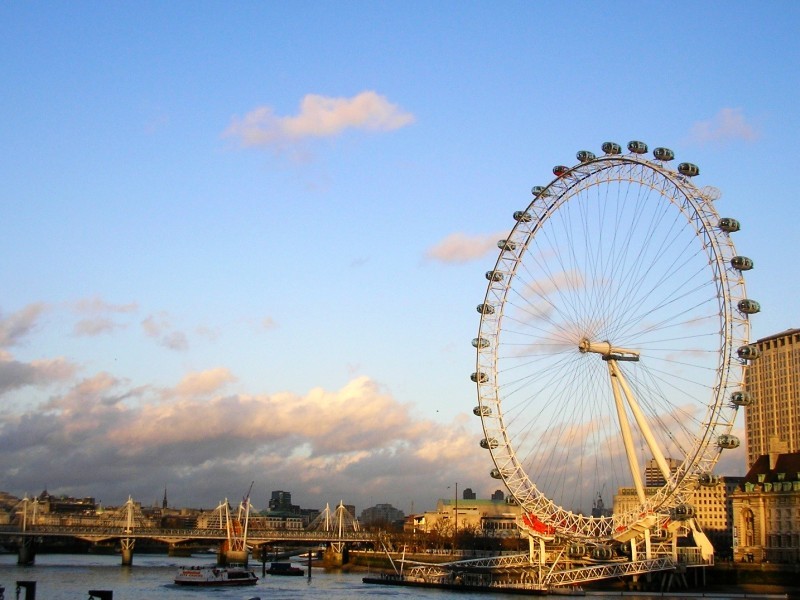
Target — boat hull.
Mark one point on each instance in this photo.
(215, 577)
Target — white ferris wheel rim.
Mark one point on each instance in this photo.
(546, 296)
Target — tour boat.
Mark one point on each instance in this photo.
(284, 568)
(216, 576)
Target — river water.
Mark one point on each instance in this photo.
(69, 577)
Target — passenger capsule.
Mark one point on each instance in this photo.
(603, 553)
(728, 225)
(479, 377)
(522, 216)
(494, 276)
(637, 147)
(688, 169)
(480, 342)
(611, 148)
(495, 474)
(489, 443)
(748, 307)
(748, 352)
(585, 156)
(664, 154)
(506, 245)
(560, 170)
(682, 512)
(576, 550)
(742, 263)
(728, 441)
(539, 190)
(485, 309)
(482, 411)
(741, 398)
(708, 479)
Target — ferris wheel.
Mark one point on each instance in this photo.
(612, 344)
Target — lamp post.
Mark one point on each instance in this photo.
(455, 532)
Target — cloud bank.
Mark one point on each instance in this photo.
(105, 436)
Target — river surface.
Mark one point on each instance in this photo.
(71, 576)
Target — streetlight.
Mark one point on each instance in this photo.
(455, 533)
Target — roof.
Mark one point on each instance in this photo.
(787, 464)
(786, 333)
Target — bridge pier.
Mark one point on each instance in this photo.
(336, 557)
(126, 548)
(26, 553)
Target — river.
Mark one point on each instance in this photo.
(71, 576)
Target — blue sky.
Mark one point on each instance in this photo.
(225, 226)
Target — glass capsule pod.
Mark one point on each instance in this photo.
(482, 411)
(748, 352)
(637, 147)
(480, 343)
(585, 156)
(708, 479)
(611, 148)
(485, 309)
(539, 190)
(748, 306)
(664, 154)
(603, 553)
(577, 550)
(522, 216)
(479, 377)
(688, 169)
(727, 441)
(742, 263)
(494, 276)
(682, 512)
(741, 398)
(495, 474)
(506, 245)
(560, 170)
(489, 443)
(729, 225)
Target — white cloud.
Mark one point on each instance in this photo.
(16, 326)
(97, 319)
(727, 125)
(204, 382)
(159, 327)
(460, 248)
(38, 373)
(318, 117)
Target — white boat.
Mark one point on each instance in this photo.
(215, 576)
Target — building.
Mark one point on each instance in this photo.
(382, 514)
(469, 494)
(490, 518)
(653, 477)
(772, 418)
(281, 502)
(713, 507)
(766, 511)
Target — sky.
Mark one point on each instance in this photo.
(245, 241)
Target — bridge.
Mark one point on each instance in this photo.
(234, 534)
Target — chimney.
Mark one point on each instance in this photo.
(777, 447)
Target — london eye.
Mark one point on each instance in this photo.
(613, 340)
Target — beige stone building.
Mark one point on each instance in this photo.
(766, 511)
(773, 382)
(492, 518)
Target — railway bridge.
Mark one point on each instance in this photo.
(234, 534)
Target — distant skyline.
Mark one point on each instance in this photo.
(245, 243)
